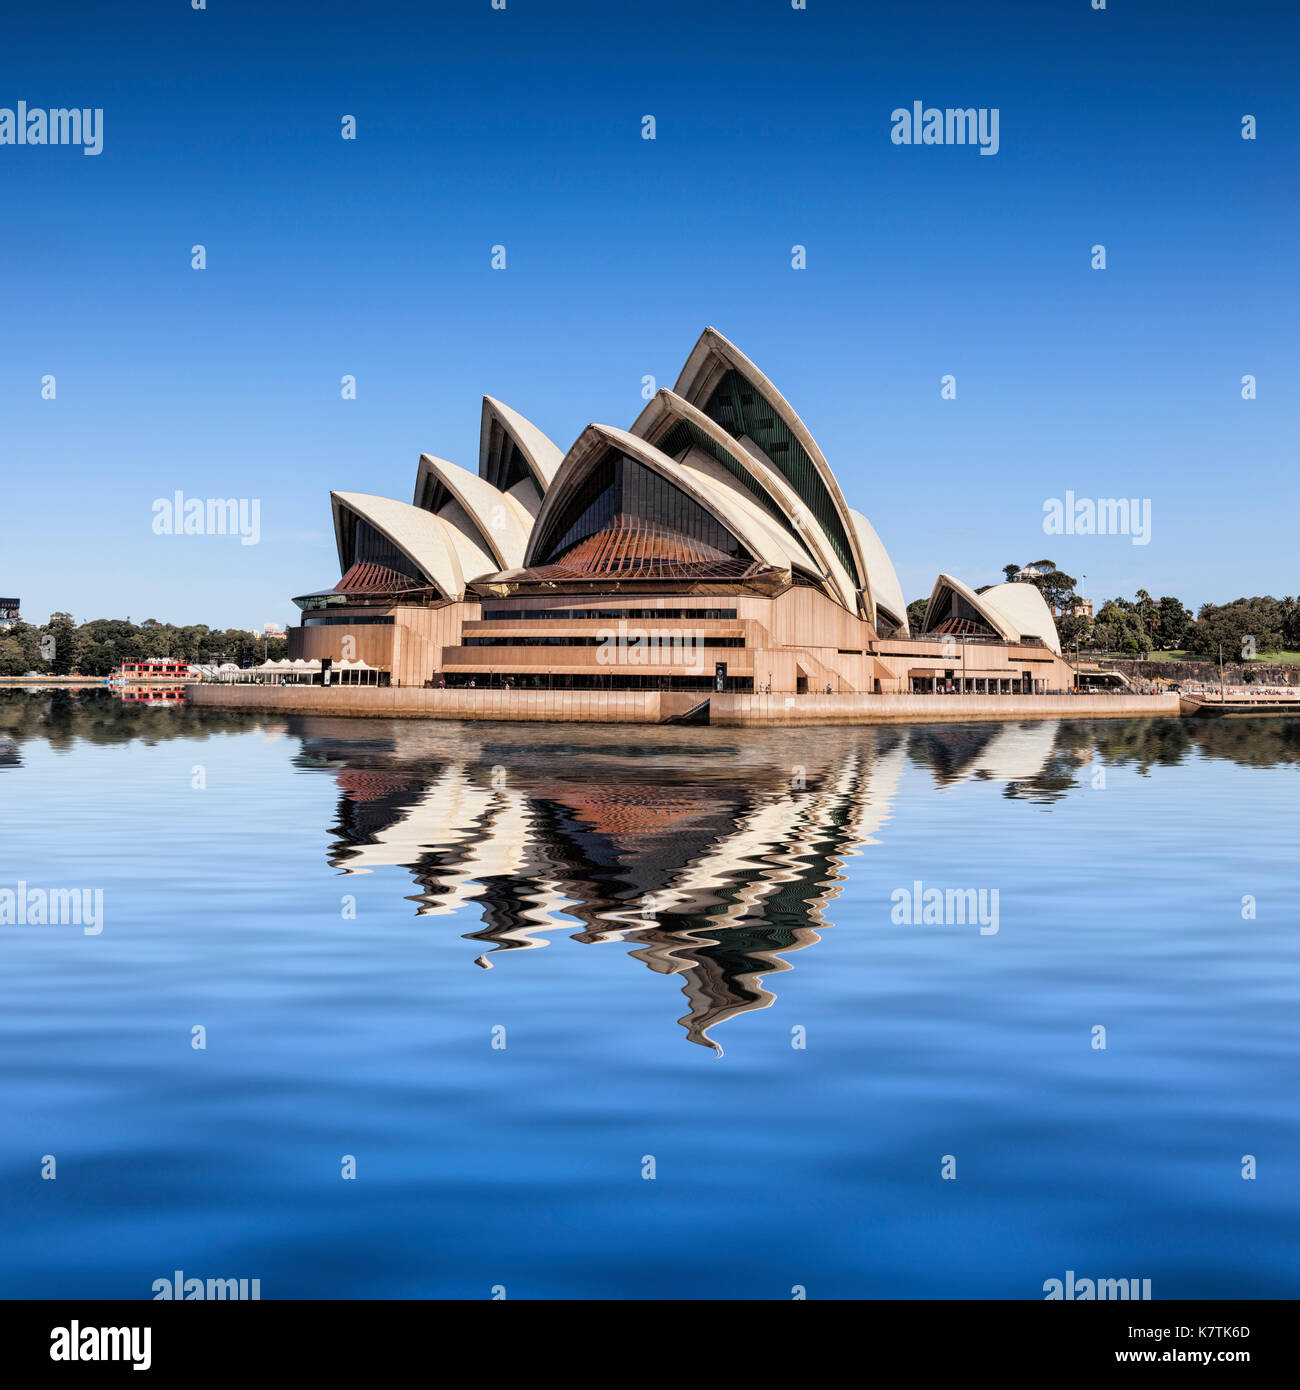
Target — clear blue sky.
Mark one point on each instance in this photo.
(523, 127)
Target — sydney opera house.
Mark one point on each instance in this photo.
(708, 547)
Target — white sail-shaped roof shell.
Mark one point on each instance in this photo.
(883, 589)
(596, 441)
(1014, 611)
(418, 534)
(504, 430)
(1024, 607)
(710, 359)
(489, 518)
(946, 582)
(667, 407)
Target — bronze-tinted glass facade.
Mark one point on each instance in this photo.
(620, 493)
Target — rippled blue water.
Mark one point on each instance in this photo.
(666, 913)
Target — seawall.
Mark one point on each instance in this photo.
(915, 709)
(415, 702)
(653, 706)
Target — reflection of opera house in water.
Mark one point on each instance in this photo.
(707, 547)
(711, 876)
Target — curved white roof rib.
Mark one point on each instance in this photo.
(418, 534)
(505, 432)
(592, 445)
(710, 359)
(1024, 607)
(470, 558)
(741, 515)
(489, 518)
(666, 408)
(1014, 611)
(712, 474)
(884, 590)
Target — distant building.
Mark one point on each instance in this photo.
(269, 630)
(1077, 608)
(9, 614)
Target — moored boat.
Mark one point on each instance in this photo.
(147, 672)
(1239, 704)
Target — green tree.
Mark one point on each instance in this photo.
(1057, 587)
(1289, 612)
(1171, 621)
(100, 646)
(1238, 629)
(20, 650)
(63, 642)
(1072, 629)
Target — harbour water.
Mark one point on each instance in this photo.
(609, 1012)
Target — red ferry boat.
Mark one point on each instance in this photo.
(152, 695)
(132, 672)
